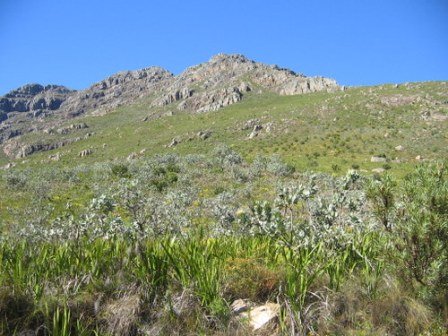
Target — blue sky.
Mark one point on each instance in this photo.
(76, 43)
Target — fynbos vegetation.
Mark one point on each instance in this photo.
(166, 245)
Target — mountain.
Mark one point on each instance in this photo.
(311, 122)
(222, 81)
(235, 198)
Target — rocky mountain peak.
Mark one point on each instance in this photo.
(31, 90)
(34, 98)
(229, 58)
(119, 89)
(226, 78)
(146, 75)
(223, 80)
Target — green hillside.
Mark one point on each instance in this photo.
(317, 131)
(169, 218)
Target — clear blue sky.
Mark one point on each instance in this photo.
(76, 43)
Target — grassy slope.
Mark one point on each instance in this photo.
(329, 132)
(314, 131)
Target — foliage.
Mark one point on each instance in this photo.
(105, 246)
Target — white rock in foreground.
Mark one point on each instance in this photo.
(262, 315)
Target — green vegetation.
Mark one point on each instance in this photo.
(311, 132)
(140, 238)
(165, 245)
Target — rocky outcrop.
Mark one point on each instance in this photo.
(17, 150)
(85, 152)
(225, 79)
(117, 90)
(222, 81)
(19, 108)
(71, 128)
(173, 96)
(33, 98)
(212, 100)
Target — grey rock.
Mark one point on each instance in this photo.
(253, 134)
(26, 150)
(8, 166)
(174, 142)
(203, 135)
(268, 127)
(222, 81)
(257, 128)
(85, 152)
(71, 128)
(377, 159)
(55, 157)
(239, 306)
(249, 124)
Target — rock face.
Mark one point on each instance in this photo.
(222, 81)
(34, 98)
(225, 79)
(119, 89)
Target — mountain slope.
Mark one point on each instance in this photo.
(222, 81)
(151, 111)
(319, 131)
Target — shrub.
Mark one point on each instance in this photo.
(16, 180)
(120, 170)
(423, 225)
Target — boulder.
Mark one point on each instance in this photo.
(377, 159)
(85, 152)
(203, 135)
(174, 142)
(253, 134)
(250, 124)
(261, 316)
(55, 157)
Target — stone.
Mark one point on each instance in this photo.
(85, 152)
(22, 151)
(399, 148)
(55, 157)
(253, 134)
(203, 135)
(378, 170)
(243, 87)
(132, 156)
(260, 316)
(174, 142)
(8, 166)
(419, 158)
(239, 306)
(249, 124)
(377, 159)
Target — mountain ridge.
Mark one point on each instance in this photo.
(223, 80)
